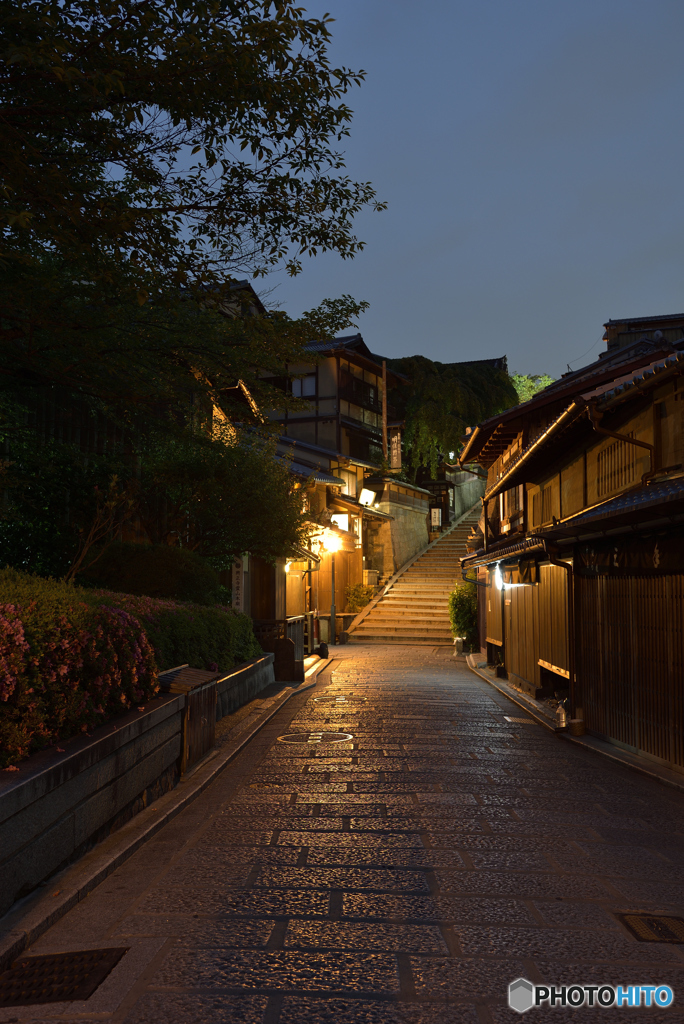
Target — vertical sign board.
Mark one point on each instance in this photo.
(238, 584)
(435, 518)
(395, 448)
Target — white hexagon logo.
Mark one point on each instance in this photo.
(521, 995)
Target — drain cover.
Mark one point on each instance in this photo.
(316, 737)
(521, 721)
(654, 928)
(351, 699)
(57, 977)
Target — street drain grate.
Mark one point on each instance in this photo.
(654, 928)
(57, 977)
(521, 721)
(351, 699)
(316, 737)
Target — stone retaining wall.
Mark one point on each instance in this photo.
(243, 683)
(59, 804)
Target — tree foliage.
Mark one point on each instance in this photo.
(150, 152)
(528, 385)
(463, 614)
(440, 401)
(214, 495)
(220, 496)
(151, 144)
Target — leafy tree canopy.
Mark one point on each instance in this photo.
(440, 401)
(151, 153)
(528, 385)
(151, 144)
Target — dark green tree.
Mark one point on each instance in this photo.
(150, 152)
(152, 144)
(219, 496)
(441, 400)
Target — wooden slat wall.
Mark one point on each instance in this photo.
(553, 617)
(630, 661)
(522, 632)
(494, 611)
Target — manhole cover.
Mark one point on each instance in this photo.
(57, 977)
(654, 928)
(339, 700)
(316, 737)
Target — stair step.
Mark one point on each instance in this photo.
(415, 608)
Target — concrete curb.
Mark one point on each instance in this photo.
(591, 743)
(628, 760)
(37, 912)
(515, 698)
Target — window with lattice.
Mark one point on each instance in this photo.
(616, 467)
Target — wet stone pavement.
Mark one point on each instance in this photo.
(403, 876)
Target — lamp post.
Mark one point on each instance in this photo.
(332, 542)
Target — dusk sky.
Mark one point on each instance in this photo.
(532, 156)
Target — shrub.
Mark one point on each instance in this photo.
(71, 658)
(179, 633)
(358, 596)
(463, 614)
(157, 570)
(66, 666)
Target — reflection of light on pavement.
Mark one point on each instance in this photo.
(316, 737)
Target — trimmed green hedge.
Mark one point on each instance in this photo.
(66, 665)
(358, 596)
(205, 637)
(72, 658)
(463, 614)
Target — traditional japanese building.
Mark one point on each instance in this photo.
(580, 548)
(333, 446)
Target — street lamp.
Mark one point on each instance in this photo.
(332, 543)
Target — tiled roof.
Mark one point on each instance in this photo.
(651, 495)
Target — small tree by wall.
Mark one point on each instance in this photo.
(463, 614)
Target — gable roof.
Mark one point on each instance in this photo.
(620, 364)
(606, 396)
(354, 347)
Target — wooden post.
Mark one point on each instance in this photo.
(384, 409)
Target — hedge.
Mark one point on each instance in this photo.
(215, 638)
(463, 614)
(71, 658)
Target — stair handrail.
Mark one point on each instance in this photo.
(407, 565)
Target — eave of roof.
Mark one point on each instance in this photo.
(351, 505)
(600, 372)
(354, 347)
(630, 505)
(604, 398)
(530, 545)
(311, 473)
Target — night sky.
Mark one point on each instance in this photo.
(532, 157)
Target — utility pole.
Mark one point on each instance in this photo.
(384, 409)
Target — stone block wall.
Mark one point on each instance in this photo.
(60, 803)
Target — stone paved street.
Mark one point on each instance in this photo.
(404, 876)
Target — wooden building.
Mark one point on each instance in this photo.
(334, 446)
(580, 548)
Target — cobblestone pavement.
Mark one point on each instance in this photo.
(403, 876)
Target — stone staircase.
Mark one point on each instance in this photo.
(415, 610)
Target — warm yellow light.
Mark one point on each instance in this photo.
(287, 566)
(332, 542)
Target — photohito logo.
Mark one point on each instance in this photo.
(523, 995)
